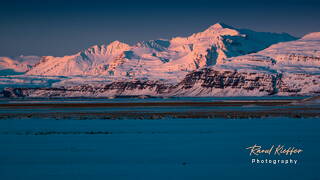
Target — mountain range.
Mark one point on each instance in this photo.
(220, 61)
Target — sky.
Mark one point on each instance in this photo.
(58, 28)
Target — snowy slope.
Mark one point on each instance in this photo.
(17, 65)
(300, 56)
(160, 59)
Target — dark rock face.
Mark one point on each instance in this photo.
(300, 58)
(204, 82)
(12, 92)
(208, 78)
(112, 89)
(120, 87)
(298, 84)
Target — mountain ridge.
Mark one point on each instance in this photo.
(163, 57)
(219, 61)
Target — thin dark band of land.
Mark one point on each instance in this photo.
(146, 104)
(160, 109)
(292, 113)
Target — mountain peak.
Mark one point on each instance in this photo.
(218, 29)
(117, 43)
(220, 25)
(117, 47)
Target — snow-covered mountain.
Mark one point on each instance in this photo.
(287, 68)
(160, 59)
(17, 65)
(220, 61)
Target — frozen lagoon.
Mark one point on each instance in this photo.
(59, 147)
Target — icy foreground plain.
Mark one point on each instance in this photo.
(153, 149)
(36, 145)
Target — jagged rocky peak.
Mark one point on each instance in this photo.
(117, 47)
(114, 48)
(96, 49)
(159, 44)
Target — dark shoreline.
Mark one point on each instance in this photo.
(293, 112)
(146, 104)
(160, 109)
